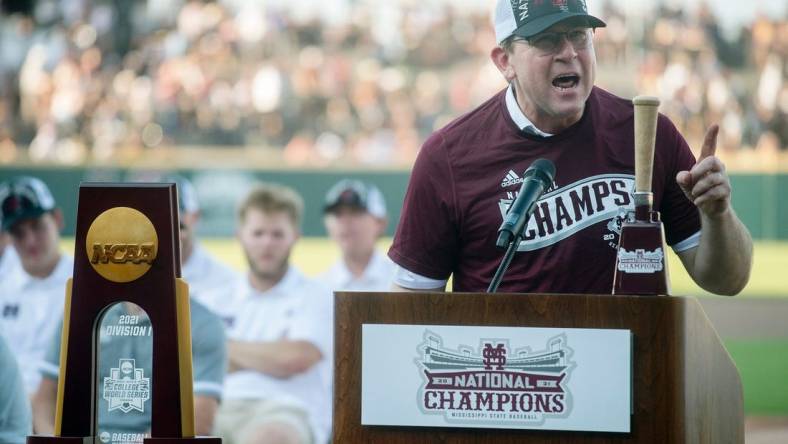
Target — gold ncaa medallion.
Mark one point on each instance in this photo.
(121, 244)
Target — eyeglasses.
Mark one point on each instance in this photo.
(552, 42)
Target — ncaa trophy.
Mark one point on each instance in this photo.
(641, 266)
(127, 251)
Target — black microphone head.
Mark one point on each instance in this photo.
(543, 170)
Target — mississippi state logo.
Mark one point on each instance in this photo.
(495, 384)
(614, 227)
(561, 4)
(126, 388)
(121, 244)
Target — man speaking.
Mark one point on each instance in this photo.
(468, 173)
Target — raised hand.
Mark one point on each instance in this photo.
(707, 184)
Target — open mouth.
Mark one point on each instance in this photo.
(566, 81)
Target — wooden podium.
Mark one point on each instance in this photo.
(686, 388)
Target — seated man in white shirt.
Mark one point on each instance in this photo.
(14, 406)
(277, 389)
(355, 218)
(32, 297)
(208, 278)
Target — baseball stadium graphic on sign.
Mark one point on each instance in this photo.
(640, 260)
(495, 384)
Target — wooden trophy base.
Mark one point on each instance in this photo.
(38, 439)
(195, 440)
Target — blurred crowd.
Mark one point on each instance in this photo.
(705, 77)
(366, 84)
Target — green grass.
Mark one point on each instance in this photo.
(314, 255)
(763, 366)
(769, 276)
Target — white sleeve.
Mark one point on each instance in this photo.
(413, 281)
(686, 244)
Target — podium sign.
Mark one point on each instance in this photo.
(127, 252)
(497, 377)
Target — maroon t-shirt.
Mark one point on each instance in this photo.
(468, 173)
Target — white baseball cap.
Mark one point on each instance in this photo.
(527, 18)
(22, 198)
(355, 194)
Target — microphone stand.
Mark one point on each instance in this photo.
(504, 265)
(536, 180)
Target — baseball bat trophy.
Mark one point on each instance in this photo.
(641, 267)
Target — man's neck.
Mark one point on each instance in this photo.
(44, 271)
(186, 253)
(358, 263)
(265, 282)
(550, 125)
(553, 125)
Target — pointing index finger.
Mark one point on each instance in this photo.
(709, 142)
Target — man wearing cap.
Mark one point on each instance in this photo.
(468, 173)
(208, 278)
(355, 218)
(32, 298)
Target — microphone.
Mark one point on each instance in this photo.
(536, 180)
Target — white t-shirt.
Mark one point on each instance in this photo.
(378, 275)
(297, 308)
(30, 311)
(209, 280)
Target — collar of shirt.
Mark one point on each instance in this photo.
(518, 116)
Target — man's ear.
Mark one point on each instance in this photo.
(191, 219)
(382, 223)
(500, 58)
(58, 215)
